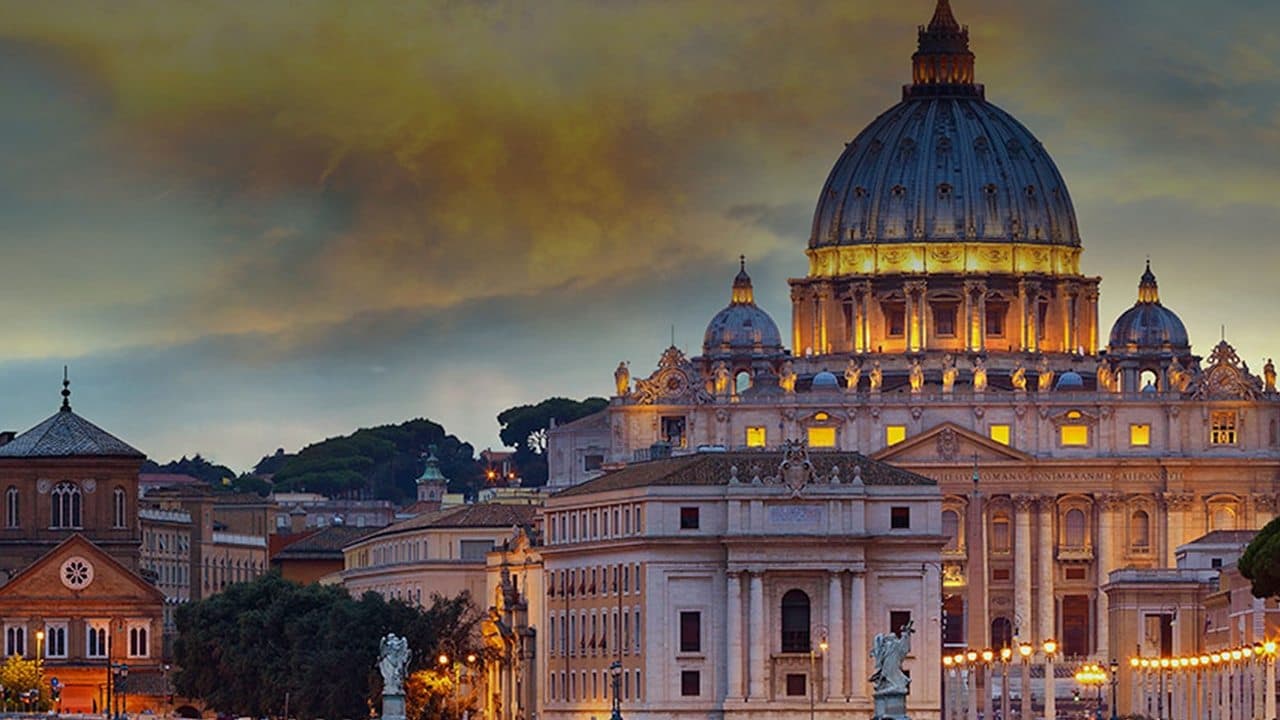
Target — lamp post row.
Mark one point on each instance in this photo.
(959, 671)
(1226, 685)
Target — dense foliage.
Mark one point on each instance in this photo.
(19, 675)
(243, 650)
(1260, 562)
(380, 462)
(197, 467)
(524, 428)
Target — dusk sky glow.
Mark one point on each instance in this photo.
(254, 225)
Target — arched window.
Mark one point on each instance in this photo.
(66, 506)
(951, 529)
(1001, 633)
(795, 622)
(1223, 518)
(11, 517)
(1075, 528)
(119, 504)
(1000, 533)
(1140, 529)
(742, 382)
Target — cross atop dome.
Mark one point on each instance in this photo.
(943, 64)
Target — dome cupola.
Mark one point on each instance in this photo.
(742, 328)
(1148, 325)
(943, 64)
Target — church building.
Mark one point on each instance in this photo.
(945, 327)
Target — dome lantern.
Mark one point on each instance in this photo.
(742, 328)
(943, 63)
(743, 294)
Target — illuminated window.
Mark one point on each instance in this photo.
(822, 437)
(1000, 433)
(894, 434)
(1075, 435)
(1140, 435)
(756, 437)
(1222, 428)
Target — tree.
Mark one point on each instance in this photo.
(524, 428)
(380, 462)
(197, 467)
(1260, 563)
(19, 676)
(243, 649)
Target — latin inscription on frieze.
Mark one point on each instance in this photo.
(794, 516)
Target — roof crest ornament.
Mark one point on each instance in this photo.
(66, 391)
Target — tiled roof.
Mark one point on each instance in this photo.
(479, 515)
(325, 543)
(1225, 537)
(715, 469)
(66, 434)
(159, 480)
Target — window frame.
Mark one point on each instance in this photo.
(1139, 435)
(689, 632)
(690, 517)
(1224, 428)
(900, 517)
(55, 640)
(13, 508)
(688, 679)
(894, 435)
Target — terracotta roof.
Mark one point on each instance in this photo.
(325, 543)
(66, 434)
(158, 480)
(715, 469)
(480, 515)
(594, 421)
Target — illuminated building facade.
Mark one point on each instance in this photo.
(945, 327)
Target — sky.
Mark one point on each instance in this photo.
(249, 226)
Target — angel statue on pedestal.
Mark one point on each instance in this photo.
(393, 660)
(889, 650)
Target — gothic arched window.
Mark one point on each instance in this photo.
(66, 506)
(11, 516)
(119, 505)
(795, 622)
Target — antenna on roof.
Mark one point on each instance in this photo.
(673, 335)
(66, 390)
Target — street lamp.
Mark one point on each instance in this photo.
(1006, 655)
(813, 676)
(615, 670)
(1026, 706)
(124, 688)
(1115, 678)
(1050, 692)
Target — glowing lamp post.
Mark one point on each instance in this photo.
(615, 671)
(1006, 655)
(1027, 704)
(1050, 692)
(971, 661)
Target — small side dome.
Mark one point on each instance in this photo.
(825, 380)
(1148, 325)
(742, 328)
(1069, 380)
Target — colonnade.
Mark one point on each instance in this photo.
(1238, 684)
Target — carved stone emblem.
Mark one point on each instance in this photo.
(795, 471)
(948, 444)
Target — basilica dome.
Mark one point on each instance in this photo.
(944, 165)
(742, 327)
(1148, 325)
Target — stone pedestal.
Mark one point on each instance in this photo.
(891, 706)
(393, 707)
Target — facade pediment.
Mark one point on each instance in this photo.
(949, 443)
(75, 570)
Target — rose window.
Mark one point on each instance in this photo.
(77, 573)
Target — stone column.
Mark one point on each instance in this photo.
(834, 685)
(1107, 507)
(1045, 618)
(1176, 505)
(978, 628)
(858, 635)
(917, 312)
(1023, 506)
(757, 661)
(733, 619)
(797, 321)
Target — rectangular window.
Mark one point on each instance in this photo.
(15, 640)
(899, 517)
(1000, 433)
(822, 437)
(895, 319)
(139, 646)
(690, 632)
(1074, 435)
(1075, 573)
(591, 463)
(1140, 435)
(894, 434)
(898, 619)
(996, 313)
(797, 684)
(1222, 428)
(475, 550)
(944, 320)
(690, 683)
(55, 640)
(756, 437)
(1000, 574)
(688, 518)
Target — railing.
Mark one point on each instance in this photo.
(180, 516)
(227, 538)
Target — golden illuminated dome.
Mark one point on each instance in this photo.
(944, 166)
(742, 328)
